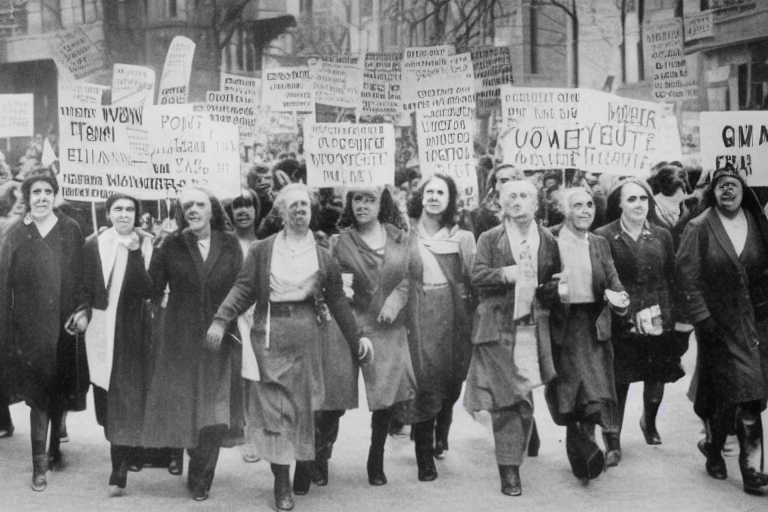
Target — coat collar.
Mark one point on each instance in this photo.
(716, 225)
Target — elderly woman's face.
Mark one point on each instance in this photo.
(518, 202)
(728, 193)
(41, 199)
(581, 211)
(197, 210)
(122, 215)
(298, 210)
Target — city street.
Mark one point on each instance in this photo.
(670, 477)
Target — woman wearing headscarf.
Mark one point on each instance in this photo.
(646, 346)
(512, 260)
(584, 394)
(189, 396)
(40, 279)
(296, 286)
(721, 270)
(115, 282)
(440, 321)
(377, 257)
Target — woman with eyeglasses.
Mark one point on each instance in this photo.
(721, 270)
(645, 344)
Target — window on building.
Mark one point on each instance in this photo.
(366, 8)
(172, 9)
(534, 38)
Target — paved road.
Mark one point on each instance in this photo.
(669, 477)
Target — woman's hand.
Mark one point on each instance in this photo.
(214, 336)
(388, 312)
(365, 351)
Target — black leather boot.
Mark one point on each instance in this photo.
(379, 429)
(586, 458)
(612, 448)
(39, 468)
(326, 432)
(283, 494)
(749, 430)
(653, 392)
(302, 478)
(424, 435)
(510, 480)
(119, 456)
(535, 442)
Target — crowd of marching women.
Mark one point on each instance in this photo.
(247, 321)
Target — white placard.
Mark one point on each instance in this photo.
(739, 138)
(133, 85)
(17, 115)
(287, 89)
(174, 82)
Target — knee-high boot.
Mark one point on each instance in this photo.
(379, 427)
(749, 430)
(283, 494)
(653, 392)
(38, 422)
(326, 432)
(424, 435)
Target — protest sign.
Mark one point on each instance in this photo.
(174, 82)
(190, 149)
(132, 85)
(699, 26)
(75, 54)
(287, 89)
(282, 125)
(337, 84)
(669, 146)
(544, 106)
(102, 150)
(672, 78)
(418, 65)
(739, 138)
(446, 146)
(233, 108)
(344, 154)
(381, 84)
(449, 92)
(71, 92)
(607, 133)
(493, 68)
(245, 86)
(17, 115)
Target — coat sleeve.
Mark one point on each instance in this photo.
(339, 305)
(483, 272)
(243, 292)
(158, 269)
(89, 278)
(688, 274)
(612, 276)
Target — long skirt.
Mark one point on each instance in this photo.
(340, 371)
(584, 388)
(390, 379)
(279, 408)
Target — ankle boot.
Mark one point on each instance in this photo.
(302, 478)
(283, 494)
(326, 432)
(612, 448)
(39, 467)
(510, 480)
(535, 442)
(749, 430)
(425, 460)
(119, 476)
(586, 458)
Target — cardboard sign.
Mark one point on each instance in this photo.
(420, 64)
(335, 83)
(133, 85)
(287, 89)
(17, 115)
(245, 86)
(544, 106)
(739, 138)
(672, 78)
(190, 149)
(75, 54)
(583, 129)
(446, 146)
(493, 68)
(343, 154)
(233, 108)
(174, 82)
(381, 84)
(449, 92)
(103, 150)
(80, 92)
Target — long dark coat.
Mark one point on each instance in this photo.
(191, 386)
(40, 279)
(128, 381)
(493, 382)
(714, 282)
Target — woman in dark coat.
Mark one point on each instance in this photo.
(501, 378)
(188, 401)
(40, 279)
(440, 327)
(115, 339)
(377, 257)
(721, 266)
(584, 394)
(646, 346)
(296, 286)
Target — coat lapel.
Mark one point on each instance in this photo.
(505, 250)
(213, 254)
(197, 258)
(722, 237)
